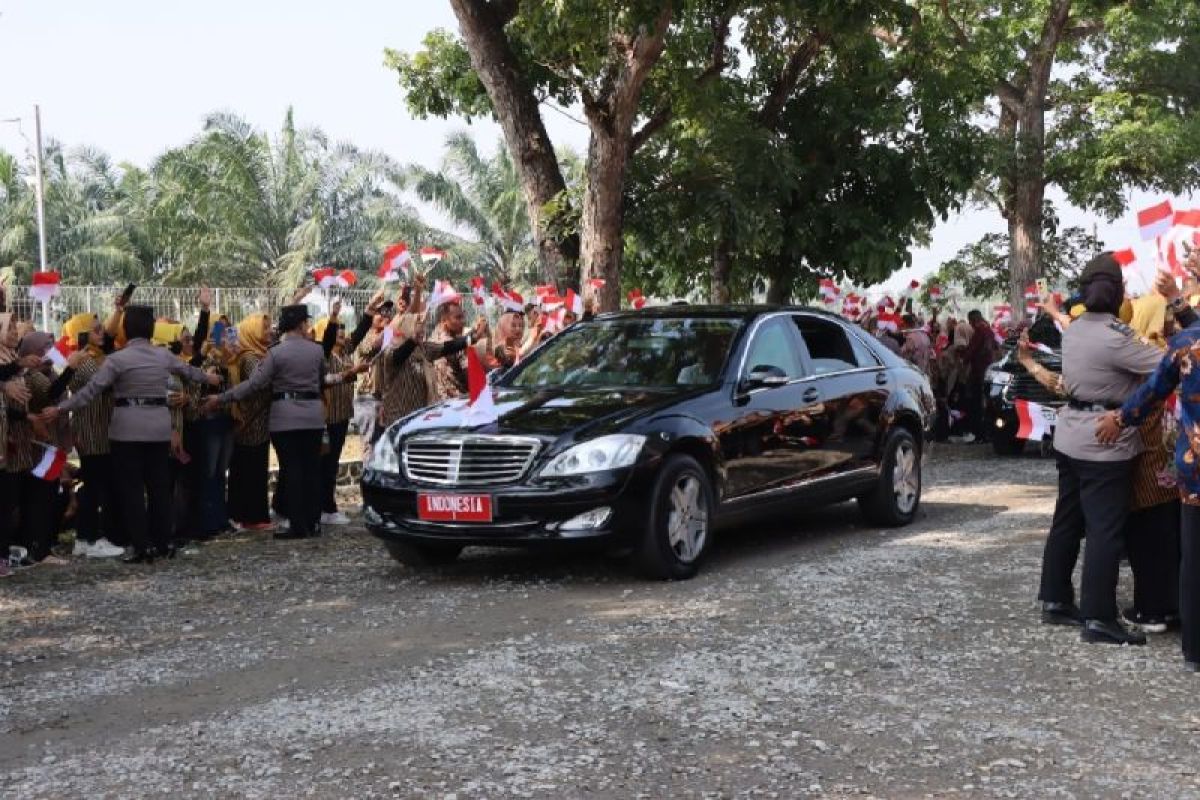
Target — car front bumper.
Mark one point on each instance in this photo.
(528, 514)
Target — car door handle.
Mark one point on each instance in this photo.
(811, 395)
(881, 378)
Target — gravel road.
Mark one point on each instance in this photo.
(815, 657)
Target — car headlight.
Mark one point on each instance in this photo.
(384, 456)
(597, 455)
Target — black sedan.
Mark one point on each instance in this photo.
(644, 431)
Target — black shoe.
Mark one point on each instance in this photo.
(1061, 614)
(139, 557)
(1105, 632)
(1151, 623)
(170, 551)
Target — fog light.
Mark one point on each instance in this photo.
(999, 422)
(588, 520)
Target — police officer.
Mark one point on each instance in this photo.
(140, 431)
(294, 370)
(1103, 363)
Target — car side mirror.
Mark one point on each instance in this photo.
(764, 376)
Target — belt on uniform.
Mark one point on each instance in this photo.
(134, 402)
(295, 396)
(1098, 408)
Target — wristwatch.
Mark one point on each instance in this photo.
(1178, 303)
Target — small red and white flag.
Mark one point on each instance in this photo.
(596, 284)
(431, 255)
(50, 465)
(1031, 292)
(886, 303)
(545, 289)
(888, 321)
(1186, 219)
(574, 303)
(554, 320)
(1125, 257)
(636, 299)
(477, 291)
(58, 352)
(509, 299)
(828, 290)
(443, 292)
(551, 302)
(935, 292)
(1156, 220)
(1036, 421)
(481, 403)
(45, 285)
(395, 264)
(330, 278)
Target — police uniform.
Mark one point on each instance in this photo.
(139, 435)
(294, 371)
(1103, 363)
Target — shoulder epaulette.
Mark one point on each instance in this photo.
(1121, 328)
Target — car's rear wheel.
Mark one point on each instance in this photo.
(896, 498)
(422, 555)
(679, 527)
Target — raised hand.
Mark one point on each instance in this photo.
(205, 298)
(335, 310)
(376, 301)
(1164, 284)
(480, 331)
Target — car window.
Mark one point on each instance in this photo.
(774, 347)
(862, 351)
(830, 348)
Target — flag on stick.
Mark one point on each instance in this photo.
(1036, 421)
(50, 465)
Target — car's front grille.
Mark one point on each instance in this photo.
(468, 460)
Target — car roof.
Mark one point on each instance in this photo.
(688, 311)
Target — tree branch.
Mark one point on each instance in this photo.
(504, 10)
(1010, 96)
(798, 62)
(960, 34)
(1084, 30)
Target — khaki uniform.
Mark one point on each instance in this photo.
(1103, 363)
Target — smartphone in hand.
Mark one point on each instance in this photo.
(127, 295)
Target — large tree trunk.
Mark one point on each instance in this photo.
(722, 266)
(779, 291)
(524, 131)
(602, 245)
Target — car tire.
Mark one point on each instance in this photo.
(423, 555)
(679, 526)
(893, 503)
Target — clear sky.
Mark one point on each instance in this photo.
(134, 77)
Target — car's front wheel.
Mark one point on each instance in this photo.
(422, 555)
(895, 499)
(679, 526)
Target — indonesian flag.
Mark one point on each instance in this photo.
(595, 284)
(45, 286)
(1002, 312)
(395, 264)
(828, 290)
(1186, 219)
(51, 464)
(1031, 292)
(935, 292)
(477, 291)
(1036, 421)
(554, 320)
(545, 289)
(1156, 220)
(443, 292)
(58, 352)
(328, 277)
(888, 321)
(574, 303)
(432, 255)
(886, 303)
(509, 299)
(1125, 257)
(636, 299)
(1032, 308)
(551, 302)
(481, 407)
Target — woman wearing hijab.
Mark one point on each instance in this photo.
(28, 439)
(13, 398)
(250, 461)
(141, 431)
(97, 526)
(339, 406)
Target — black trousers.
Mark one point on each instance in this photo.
(10, 499)
(300, 478)
(248, 483)
(1093, 505)
(97, 515)
(1189, 581)
(187, 489)
(1152, 544)
(974, 407)
(40, 513)
(143, 487)
(329, 465)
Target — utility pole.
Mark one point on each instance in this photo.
(40, 192)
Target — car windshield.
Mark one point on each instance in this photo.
(646, 353)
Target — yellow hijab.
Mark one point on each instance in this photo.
(318, 329)
(83, 323)
(166, 332)
(1149, 316)
(254, 336)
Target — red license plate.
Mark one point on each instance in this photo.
(454, 507)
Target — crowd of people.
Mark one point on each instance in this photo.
(173, 428)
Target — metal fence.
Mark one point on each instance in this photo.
(178, 303)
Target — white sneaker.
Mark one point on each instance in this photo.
(103, 548)
(336, 518)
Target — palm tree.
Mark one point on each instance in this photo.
(483, 198)
(89, 237)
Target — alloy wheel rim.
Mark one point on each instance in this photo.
(906, 478)
(687, 522)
